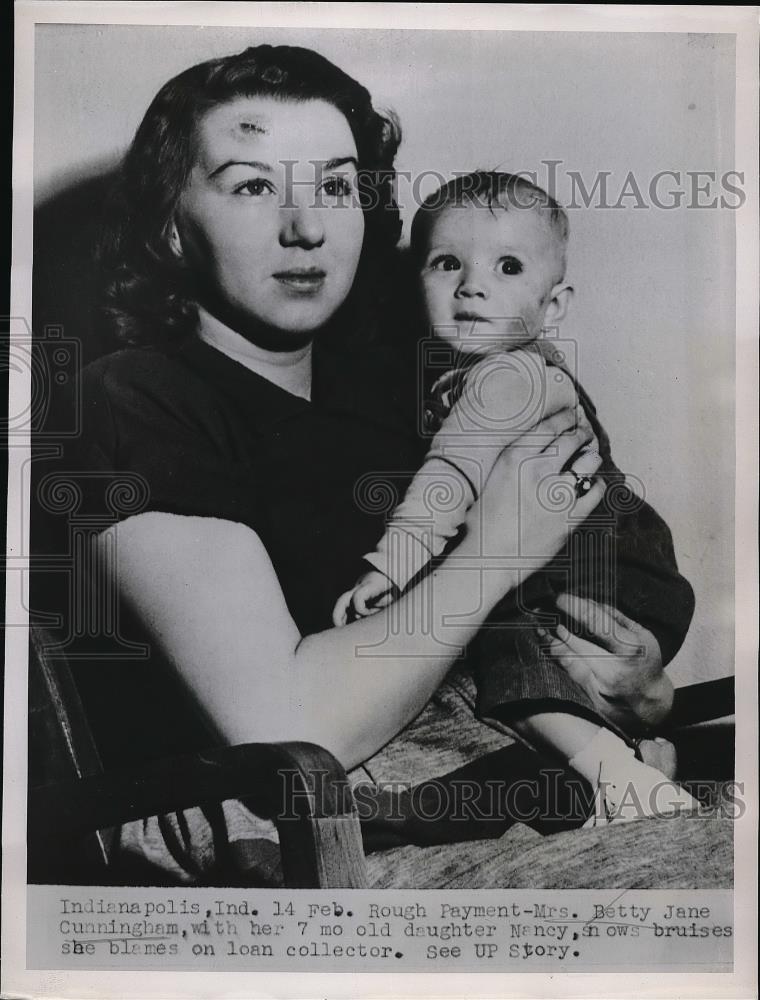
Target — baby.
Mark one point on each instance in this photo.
(491, 252)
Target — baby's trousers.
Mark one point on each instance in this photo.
(621, 556)
(515, 677)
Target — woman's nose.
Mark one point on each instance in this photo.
(471, 286)
(301, 226)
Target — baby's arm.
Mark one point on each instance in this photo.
(428, 517)
(505, 394)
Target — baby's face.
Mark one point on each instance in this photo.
(488, 275)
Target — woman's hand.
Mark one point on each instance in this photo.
(621, 671)
(529, 505)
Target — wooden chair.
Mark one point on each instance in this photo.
(74, 804)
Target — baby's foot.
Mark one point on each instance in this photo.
(630, 790)
(625, 788)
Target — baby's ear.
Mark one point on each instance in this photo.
(560, 298)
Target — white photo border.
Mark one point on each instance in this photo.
(742, 21)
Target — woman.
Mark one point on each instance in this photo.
(254, 258)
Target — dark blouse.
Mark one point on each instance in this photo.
(194, 432)
(211, 438)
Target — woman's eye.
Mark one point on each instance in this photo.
(337, 187)
(510, 265)
(445, 262)
(255, 187)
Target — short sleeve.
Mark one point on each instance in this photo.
(153, 438)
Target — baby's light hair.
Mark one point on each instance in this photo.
(489, 188)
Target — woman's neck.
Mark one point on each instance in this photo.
(290, 370)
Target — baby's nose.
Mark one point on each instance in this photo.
(471, 286)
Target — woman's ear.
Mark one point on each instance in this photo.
(560, 298)
(175, 243)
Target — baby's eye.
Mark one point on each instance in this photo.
(337, 187)
(510, 265)
(255, 187)
(444, 262)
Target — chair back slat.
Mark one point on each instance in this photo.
(61, 747)
(59, 732)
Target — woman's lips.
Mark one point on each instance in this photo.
(308, 280)
(470, 317)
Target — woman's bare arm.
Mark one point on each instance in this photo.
(208, 595)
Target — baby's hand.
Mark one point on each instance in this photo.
(372, 592)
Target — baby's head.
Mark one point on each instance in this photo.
(490, 248)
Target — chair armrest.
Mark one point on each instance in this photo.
(702, 702)
(302, 787)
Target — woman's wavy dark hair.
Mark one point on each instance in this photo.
(147, 294)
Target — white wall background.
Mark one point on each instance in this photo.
(654, 312)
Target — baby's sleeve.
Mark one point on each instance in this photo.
(502, 397)
(425, 521)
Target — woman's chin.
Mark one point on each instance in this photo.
(287, 334)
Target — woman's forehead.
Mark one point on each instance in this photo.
(280, 129)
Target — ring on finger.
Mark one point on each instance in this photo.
(583, 483)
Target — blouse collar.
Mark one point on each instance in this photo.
(355, 384)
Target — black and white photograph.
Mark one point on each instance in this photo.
(376, 412)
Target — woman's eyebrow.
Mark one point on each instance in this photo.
(339, 161)
(256, 164)
(332, 164)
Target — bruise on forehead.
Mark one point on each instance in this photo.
(248, 127)
(242, 121)
(228, 123)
